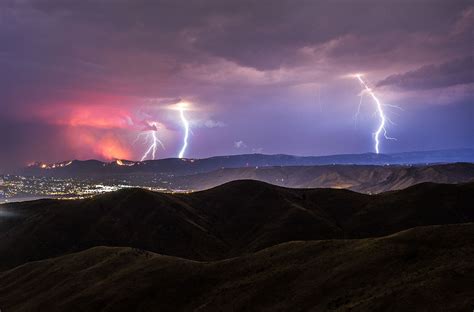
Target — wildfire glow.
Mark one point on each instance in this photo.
(110, 148)
(106, 146)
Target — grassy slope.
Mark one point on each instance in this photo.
(230, 220)
(422, 269)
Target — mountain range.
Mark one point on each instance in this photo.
(177, 167)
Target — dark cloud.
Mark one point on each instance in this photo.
(90, 68)
(455, 72)
(261, 34)
(24, 142)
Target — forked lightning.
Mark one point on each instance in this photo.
(151, 138)
(383, 119)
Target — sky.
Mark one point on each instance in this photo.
(83, 79)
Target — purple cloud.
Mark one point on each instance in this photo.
(272, 72)
(455, 72)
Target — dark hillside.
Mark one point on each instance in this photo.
(233, 219)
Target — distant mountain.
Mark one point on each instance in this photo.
(176, 167)
(360, 178)
(230, 220)
(422, 269)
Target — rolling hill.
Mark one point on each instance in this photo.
(231, 220)
(422, 269)
(359, 178)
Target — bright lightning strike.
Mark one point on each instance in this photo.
(184, 121)
(383, 119)
(151, 138)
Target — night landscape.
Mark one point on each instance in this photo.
(223, 155)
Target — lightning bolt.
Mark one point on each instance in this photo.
(383, 119)
(151, 138)
(185, 123)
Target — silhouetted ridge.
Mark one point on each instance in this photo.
(230, 220)
(180, 167)
(418, 269)
(245, 186)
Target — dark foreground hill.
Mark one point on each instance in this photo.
(231, 220)
(422, 269)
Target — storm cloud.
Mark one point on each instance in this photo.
(86, 76)
(452, 73)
